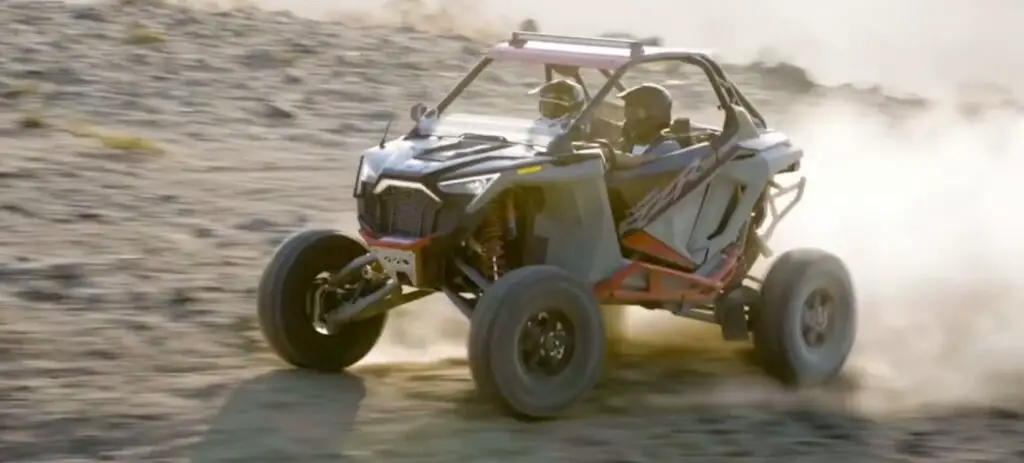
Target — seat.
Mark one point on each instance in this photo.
(628, 186)
(659, 166)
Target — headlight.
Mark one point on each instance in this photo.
(367, 174)
(469, 185)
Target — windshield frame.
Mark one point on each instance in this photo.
(725, 90)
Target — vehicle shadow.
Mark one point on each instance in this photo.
(283, 415)
(695, 397)
(656, 402)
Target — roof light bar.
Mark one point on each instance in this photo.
(520, 38)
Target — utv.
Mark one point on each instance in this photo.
(540, 239)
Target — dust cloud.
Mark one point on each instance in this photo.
(922, 208)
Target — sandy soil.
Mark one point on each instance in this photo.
(127, 276)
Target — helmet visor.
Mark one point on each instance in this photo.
(634, 112)
(553, 109)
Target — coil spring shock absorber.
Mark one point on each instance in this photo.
(491, 238)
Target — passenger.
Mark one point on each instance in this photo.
(560, 101)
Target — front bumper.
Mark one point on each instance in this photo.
(406, 260)
(408, 229)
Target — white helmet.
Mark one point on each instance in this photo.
(559, 99)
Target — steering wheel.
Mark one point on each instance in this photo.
(607, 154)
(607, 151)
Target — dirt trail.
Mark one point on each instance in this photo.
(127, 276)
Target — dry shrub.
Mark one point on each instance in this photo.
(32, 120)
(145, 36)
(116, 141)
(19, 89)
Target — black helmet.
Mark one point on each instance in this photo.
(648, 111)
(559, 98)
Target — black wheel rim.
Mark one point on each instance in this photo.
(818, 318)
(547, 343)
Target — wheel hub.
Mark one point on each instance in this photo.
(553, 343)
(816, 318)
(323, 297)
(546, 343)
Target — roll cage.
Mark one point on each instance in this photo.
(613, 58)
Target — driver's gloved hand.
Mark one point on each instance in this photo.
(681, 130)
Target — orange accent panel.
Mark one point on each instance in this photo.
(394, 242)
(642, 241)
(700, 289)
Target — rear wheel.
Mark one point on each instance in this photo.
(806, 321)
(284, 303)
(536, 342)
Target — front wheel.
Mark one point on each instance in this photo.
(536, 342)
(287, 287)
(806, 321)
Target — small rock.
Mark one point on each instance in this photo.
(128, 263)
(90, 297)
(256, 225)
(263, 58)
(349, 58)
(141, 57)
(89, 215)
(292, 76)
(276, 111)
(186, 17)
(1005, 414)
(17, 209)
(15, 174)
(917, 444)
(203, 232)
(67, 273)
(39, 294)
(181, 296)
(302, 47)
(88, 13)
(59, 75)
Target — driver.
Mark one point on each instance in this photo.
(560, 101)
(648, 115)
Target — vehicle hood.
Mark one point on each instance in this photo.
(444, 157)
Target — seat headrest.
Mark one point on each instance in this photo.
(680, 126)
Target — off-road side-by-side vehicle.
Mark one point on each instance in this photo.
(542, 239)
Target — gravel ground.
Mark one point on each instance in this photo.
(153, 156)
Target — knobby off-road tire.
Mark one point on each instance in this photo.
(494, 342)
(282, 303)
(779, 340)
